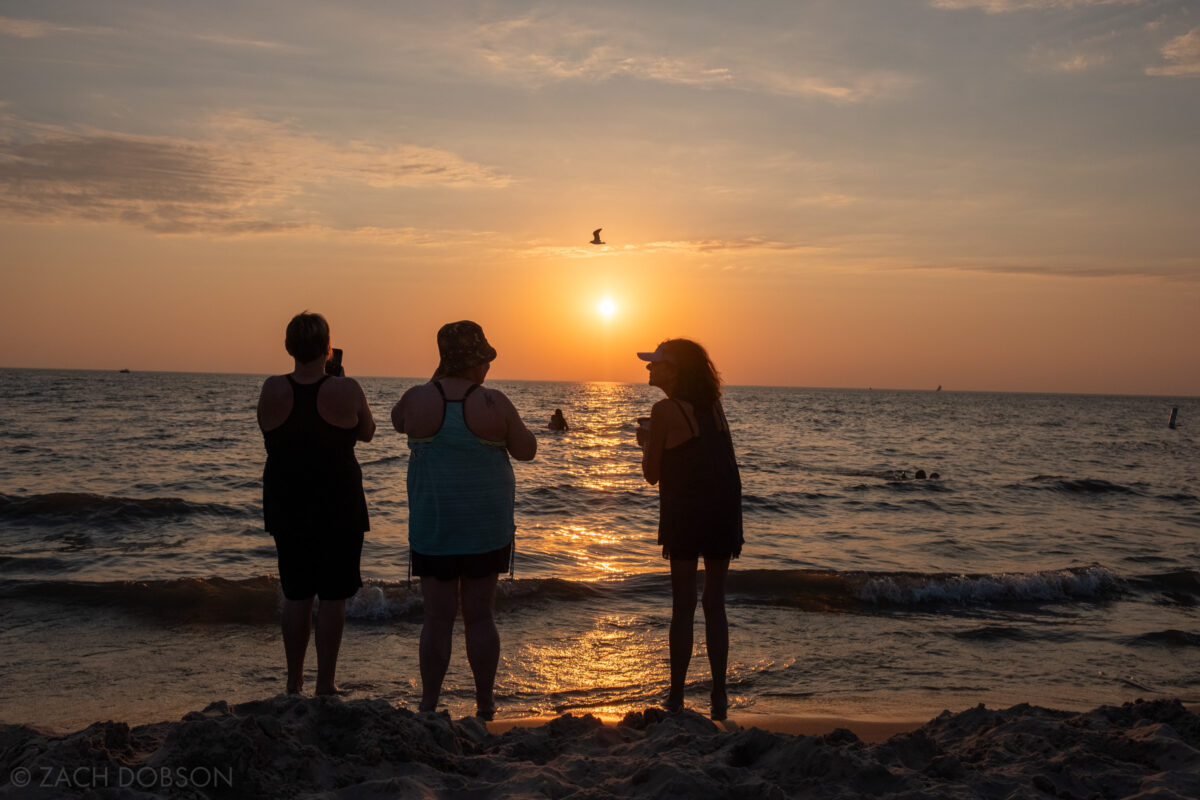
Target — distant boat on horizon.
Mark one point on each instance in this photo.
(123, 370)
(939, 388)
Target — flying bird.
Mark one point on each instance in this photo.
(596, 236)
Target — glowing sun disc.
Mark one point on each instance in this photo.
(606, 307)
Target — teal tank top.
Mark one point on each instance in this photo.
(461, 489)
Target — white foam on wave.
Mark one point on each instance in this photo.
(372, 602)
(989, 589)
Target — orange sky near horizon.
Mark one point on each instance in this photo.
(896, 329)
(989, 195)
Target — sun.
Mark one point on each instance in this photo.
(607, 307)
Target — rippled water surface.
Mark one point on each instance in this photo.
(1056, 558)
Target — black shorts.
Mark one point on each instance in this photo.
(322, 564)
(689, 554)
(467, 565)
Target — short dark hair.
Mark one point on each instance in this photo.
(697, 380)
(307, 337)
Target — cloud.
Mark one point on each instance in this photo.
(603, 62)
(1081, 62)
(1178, 269)
(39, 29)
(852, 89)
(248, 176)
(745, 245)
(1076, 57)
(827, 200)
(422, 237)
(541, 51)
(1005, 6)
(253, 44)
(749, 243)
(1184, 53)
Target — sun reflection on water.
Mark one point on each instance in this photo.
(590, 671)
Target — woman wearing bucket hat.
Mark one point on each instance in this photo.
(460, 502)
(688, 452)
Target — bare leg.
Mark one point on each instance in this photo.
(441, 607)
(331, 620)
(716, 631)
(483, 640)
(683, 615)
(296, 622)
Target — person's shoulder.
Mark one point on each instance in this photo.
(665, 408)
(420, 395)
(494, 397)
(343, 387)
(276, 385)
(418, 390)
(669, 403)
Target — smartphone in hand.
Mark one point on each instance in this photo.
(334, 365)
(643, 431)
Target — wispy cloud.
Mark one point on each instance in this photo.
(253, 44)
(827, 200)
(1075, 57)
(1184, 54)
(39, 29)
(745, 245)
(749, 243)
(422, 237)
(1005, 6)
(540, 51)
(247, 176)
(1177, 269)
(602, 62)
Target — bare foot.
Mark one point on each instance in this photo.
(674, 702)
(295, 688)
(486, 714)
(720, 705)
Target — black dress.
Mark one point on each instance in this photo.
(700, 493)
(312, 482)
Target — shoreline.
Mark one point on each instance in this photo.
(284, 747)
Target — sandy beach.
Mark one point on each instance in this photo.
(286, 747)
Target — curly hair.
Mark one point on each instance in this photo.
(697, 380)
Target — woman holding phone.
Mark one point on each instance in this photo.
(313, 502)
(688, 452)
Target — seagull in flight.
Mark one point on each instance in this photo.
(596, 236)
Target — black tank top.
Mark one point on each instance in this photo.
(700, 490)
(312, 481)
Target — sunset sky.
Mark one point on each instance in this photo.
(983, 194)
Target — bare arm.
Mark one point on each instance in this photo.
(274, 403)
(365, 431)
(398, 414)
(518, 439)
(652, 450)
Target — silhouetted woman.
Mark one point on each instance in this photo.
(461, 505)
(688, 452)
(313, 502)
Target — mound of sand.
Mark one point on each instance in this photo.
(289, 747)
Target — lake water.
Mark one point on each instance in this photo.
(1056, 560)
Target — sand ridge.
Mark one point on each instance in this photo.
(286, 747)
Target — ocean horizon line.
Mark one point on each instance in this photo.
(936, 389)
